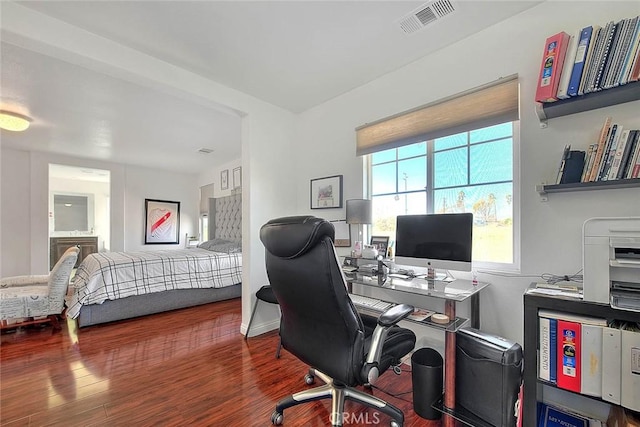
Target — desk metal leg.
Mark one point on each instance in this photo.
(475, 311)
(449, 366)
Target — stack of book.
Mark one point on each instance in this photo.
(616, 154)
(593, 59)
(590, 356)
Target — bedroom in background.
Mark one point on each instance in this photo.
(78, 210)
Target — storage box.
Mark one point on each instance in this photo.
(488, 376)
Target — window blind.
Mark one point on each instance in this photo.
(487, 105)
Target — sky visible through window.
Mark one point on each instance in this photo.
(472, 172)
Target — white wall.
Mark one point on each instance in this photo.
(25, 206)
(551, 231)
(213, 176)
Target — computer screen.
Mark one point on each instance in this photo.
(435, 241)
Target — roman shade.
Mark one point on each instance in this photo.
(487, 105)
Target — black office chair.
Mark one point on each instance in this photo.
(319, 324)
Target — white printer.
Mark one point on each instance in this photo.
(611, 262)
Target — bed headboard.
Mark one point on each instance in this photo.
(226, 221)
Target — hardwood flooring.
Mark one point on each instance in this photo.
(189, 367)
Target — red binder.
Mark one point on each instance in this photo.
(569, 355)
(555, 50)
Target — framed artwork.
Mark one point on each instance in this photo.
(326, 193)
(161, 222)
(237, 177)
(224, 179)
(343, 234)
(381, 243)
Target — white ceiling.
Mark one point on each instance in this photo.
(294, 54)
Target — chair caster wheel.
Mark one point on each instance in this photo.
(309, 379)
(277, 418)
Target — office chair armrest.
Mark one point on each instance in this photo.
(386, 320)
(394, 315)
(9, 282)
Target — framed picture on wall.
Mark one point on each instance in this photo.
(237, 178)
(224, 179)
(161, 222)
(326, 193)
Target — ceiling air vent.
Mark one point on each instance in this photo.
(205, 150)
(426, 14)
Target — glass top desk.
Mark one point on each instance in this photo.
(451, 292)
(454, 291)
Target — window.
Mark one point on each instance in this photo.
(470, 171)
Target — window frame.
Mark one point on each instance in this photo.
(513, 267)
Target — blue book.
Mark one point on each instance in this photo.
(578, 65)
(553, 347)
(549, 416)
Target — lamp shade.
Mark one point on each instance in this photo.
(359, 211)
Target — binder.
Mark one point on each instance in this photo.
(580, 58)
(591, 362)
(555, 49)
(611, 365)
(630, 375)
(567, 68)
(548, 343)
(569, 356)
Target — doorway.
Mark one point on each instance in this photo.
(79, 209)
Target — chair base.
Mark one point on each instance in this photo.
(338, 394)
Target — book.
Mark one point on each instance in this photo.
(573, 165)
(631, 54)
(630, 374)
(569, 357)
(596, 38)
(628, 154)
(609, 55)
(577, 318)
(602, 140)
(565, 156)
(605, 152)
(621, 54)
(616, 133)
(552, 416)
(567, 67)
(617, 157)
(600, 57)
(588, 161)
(580, 58)
(552, 61)
(634, 155)
(548, 336)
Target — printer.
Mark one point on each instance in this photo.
(611, 262)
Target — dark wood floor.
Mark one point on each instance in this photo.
(188, 367)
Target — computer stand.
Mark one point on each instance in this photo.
(441, 277)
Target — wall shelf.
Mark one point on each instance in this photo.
(544, 189)
(591, 101)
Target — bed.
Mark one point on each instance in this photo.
(111, 286)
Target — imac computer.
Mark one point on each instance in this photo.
(435, 241)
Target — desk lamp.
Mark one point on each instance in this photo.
(359, 212)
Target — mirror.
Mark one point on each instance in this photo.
(73, 212)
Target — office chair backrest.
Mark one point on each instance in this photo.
(319, 323)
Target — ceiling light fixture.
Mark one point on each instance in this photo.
(13, 121)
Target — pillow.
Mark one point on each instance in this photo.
(213, 242)
(227, 248)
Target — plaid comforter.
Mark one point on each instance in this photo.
(113, 275)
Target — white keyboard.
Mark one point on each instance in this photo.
(370, 303)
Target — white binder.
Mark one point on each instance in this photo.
(591, 379)
(630, 378)
(611, 363)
